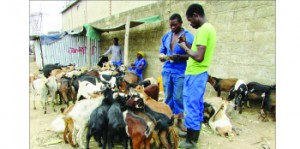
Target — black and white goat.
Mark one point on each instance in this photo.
(239, 92)
(266, 92)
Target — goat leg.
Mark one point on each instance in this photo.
(163, 138)
(240, 106)
(219, 92)
(74, 133)
(34, 107)
(45, 103)
(53, 98)
(248, 104)
(88, 138)
(79, 136)
(175, 138)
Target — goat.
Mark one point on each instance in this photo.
(131, 78)
(221, 84)
(124, 86)
(264, 91)
(220, 123)
(138, 130)
(81, 115)
(154, 104)
(69, 125)
(152, 91)
(58, 125)
(66, 90)
(98, 123)
(240, 90)
(69, 128)
(159, 107)
(209, 111)
(48, 68)
(40, 88)
(86, 88)
(148, 81)
(74, 72)
(58, 73)
(82, 77)
(134, 106)
(116, 123)
(163, 122)
(52, 86)
(103, 59)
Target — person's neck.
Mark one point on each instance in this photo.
(178, 32)
(203, 21)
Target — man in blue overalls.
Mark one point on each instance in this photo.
(174, 59)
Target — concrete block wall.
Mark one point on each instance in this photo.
(245, 46)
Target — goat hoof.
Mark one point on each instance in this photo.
(45, 112)
(34, 108)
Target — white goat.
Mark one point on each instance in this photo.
(40, 88)
(86, 88)
(81, 115)
(219, 122)
(52, 88)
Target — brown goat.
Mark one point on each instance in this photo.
(153, 104)
(160, 108)
(138, 130)
(152, 91)
(66, 91)
(131, 78)
(93, 73)
(221, 84)
(149, 118)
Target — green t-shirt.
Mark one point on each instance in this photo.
(205, 36)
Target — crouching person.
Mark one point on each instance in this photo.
(138, 66)
(196, 75)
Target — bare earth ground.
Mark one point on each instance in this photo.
(253, 134)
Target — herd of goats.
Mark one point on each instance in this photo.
(115, 106)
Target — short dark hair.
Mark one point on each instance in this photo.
(195, 8)
(116, 39)
(176, 16)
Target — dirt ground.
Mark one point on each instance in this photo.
(253, 134)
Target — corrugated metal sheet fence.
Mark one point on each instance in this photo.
(69, 49)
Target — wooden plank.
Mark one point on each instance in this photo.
(127, 28)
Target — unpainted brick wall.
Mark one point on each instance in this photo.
(245, 46)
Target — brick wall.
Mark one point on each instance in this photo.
(245, 36)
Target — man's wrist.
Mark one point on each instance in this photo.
(186, 49)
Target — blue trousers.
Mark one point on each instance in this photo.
(173, 86)
(119, 63)
(193, 94)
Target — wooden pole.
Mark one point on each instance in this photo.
(41, 52)
(89, 51)
(127, 28)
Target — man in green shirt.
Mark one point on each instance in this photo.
(196, 75)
